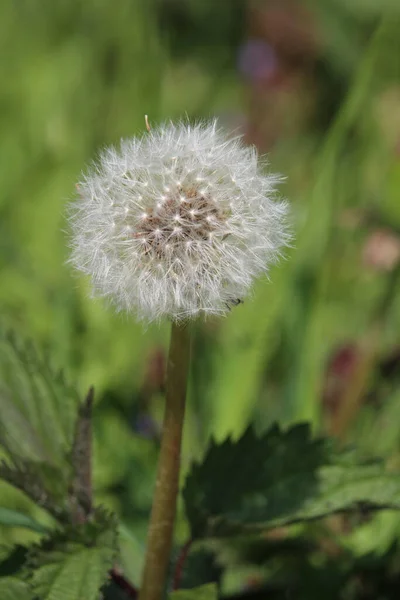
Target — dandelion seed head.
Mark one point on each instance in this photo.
(177, 223)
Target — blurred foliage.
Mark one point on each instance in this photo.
(281, 478)
(78, 75)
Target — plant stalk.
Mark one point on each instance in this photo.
(160, 533)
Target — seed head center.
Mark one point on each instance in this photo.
(176, 219)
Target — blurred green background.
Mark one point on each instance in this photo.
(314, 84)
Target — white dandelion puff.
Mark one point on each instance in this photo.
(177, 223)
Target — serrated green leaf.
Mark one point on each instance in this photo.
(74, 565)
(35, 480)
(37, 406)
(258, 483)
(200, 567)
(14, 518)
(12, 588)
(204, 592)
(79, 574)
(81, 458)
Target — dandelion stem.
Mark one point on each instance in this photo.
(160, 534)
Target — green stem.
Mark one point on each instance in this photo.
(160, 534)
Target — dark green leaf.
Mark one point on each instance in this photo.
(81, 455)
(13, 518)
(204, 592)
(257, 483)
(259, 549)
(12, 560)
(113, 592)
(198, 568)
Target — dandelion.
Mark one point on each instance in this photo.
(177, 223)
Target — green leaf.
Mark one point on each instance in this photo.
(76, 573)
(35, 480)
(12, 588)
(38, 419)
(204, 592)
(199, 568)
(81, 455)
(73, 566)
(13, 518)
(37, 406)
(280, 478)
(131, 552)
(12, 560)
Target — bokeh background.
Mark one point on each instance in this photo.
(316, 85)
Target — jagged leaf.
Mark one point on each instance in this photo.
(37, 406)
(36, 480)
(73, 566)
(12, 588)
(77, 573)
(14, 518)
(204, 592)
(195, 568)
(257, 483)
(81, 457)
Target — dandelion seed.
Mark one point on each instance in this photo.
(125, 232)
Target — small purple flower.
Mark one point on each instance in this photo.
(146, 427)
(257, 60)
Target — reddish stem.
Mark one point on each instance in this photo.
(180, 563)
(123, 584)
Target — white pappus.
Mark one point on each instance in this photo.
(176, 223)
